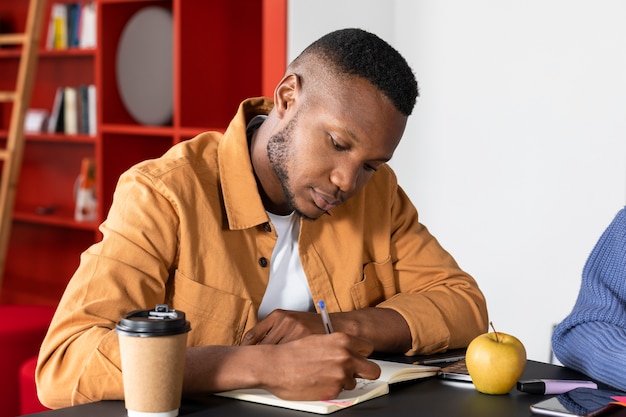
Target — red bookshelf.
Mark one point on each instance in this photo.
(223, 51)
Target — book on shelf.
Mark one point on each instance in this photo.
(70, 111)
(82, 105)
(73, 21)
(391, 373)
(91, 110)
(72, 25)
(74, 111)
(87, 35)
(56, 121)
(57, 27)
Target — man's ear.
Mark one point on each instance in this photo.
(286, 93)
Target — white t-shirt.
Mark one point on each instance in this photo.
(288, 288)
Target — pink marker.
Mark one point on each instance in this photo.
(552, 386)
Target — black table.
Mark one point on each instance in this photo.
(431, 397)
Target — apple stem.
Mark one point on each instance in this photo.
(494, 330)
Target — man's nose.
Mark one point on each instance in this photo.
(346, 178)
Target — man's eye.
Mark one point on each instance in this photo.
(337, 145)
(370, 168)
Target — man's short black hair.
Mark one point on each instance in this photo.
(361, 53)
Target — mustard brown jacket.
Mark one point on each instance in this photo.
(189, 229)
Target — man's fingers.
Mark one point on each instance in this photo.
(368, 370)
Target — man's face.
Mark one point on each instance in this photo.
(328, 149)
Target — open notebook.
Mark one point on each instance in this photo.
(391, 372)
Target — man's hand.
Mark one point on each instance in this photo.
(385, 328)
(319, 367)
(315, 367)
(282, 326)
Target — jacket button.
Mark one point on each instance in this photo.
(263, 261)
(267, 227)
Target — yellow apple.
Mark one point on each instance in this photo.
(495, 361)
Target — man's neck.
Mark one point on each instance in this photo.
(263, 172)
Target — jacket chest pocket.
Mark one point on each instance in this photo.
(377, 285)
(217, 317)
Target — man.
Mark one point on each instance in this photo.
(592, 338)
(245, 231)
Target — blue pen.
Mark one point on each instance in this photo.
(325, 317)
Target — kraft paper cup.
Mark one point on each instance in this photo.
(152, 347)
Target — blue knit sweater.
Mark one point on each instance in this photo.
(592, 338)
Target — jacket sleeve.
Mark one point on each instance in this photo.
(592, 338)
(79, 359)
(442, 304)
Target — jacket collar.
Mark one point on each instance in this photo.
(242, 201)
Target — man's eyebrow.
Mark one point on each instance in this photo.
(351, 134)
(356, 139)
(383, 160)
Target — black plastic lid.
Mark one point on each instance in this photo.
(150, 323)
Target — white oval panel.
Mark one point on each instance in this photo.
(144, 66)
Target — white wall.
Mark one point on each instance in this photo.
(515, 155)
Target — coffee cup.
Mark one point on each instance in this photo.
(152, 348)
